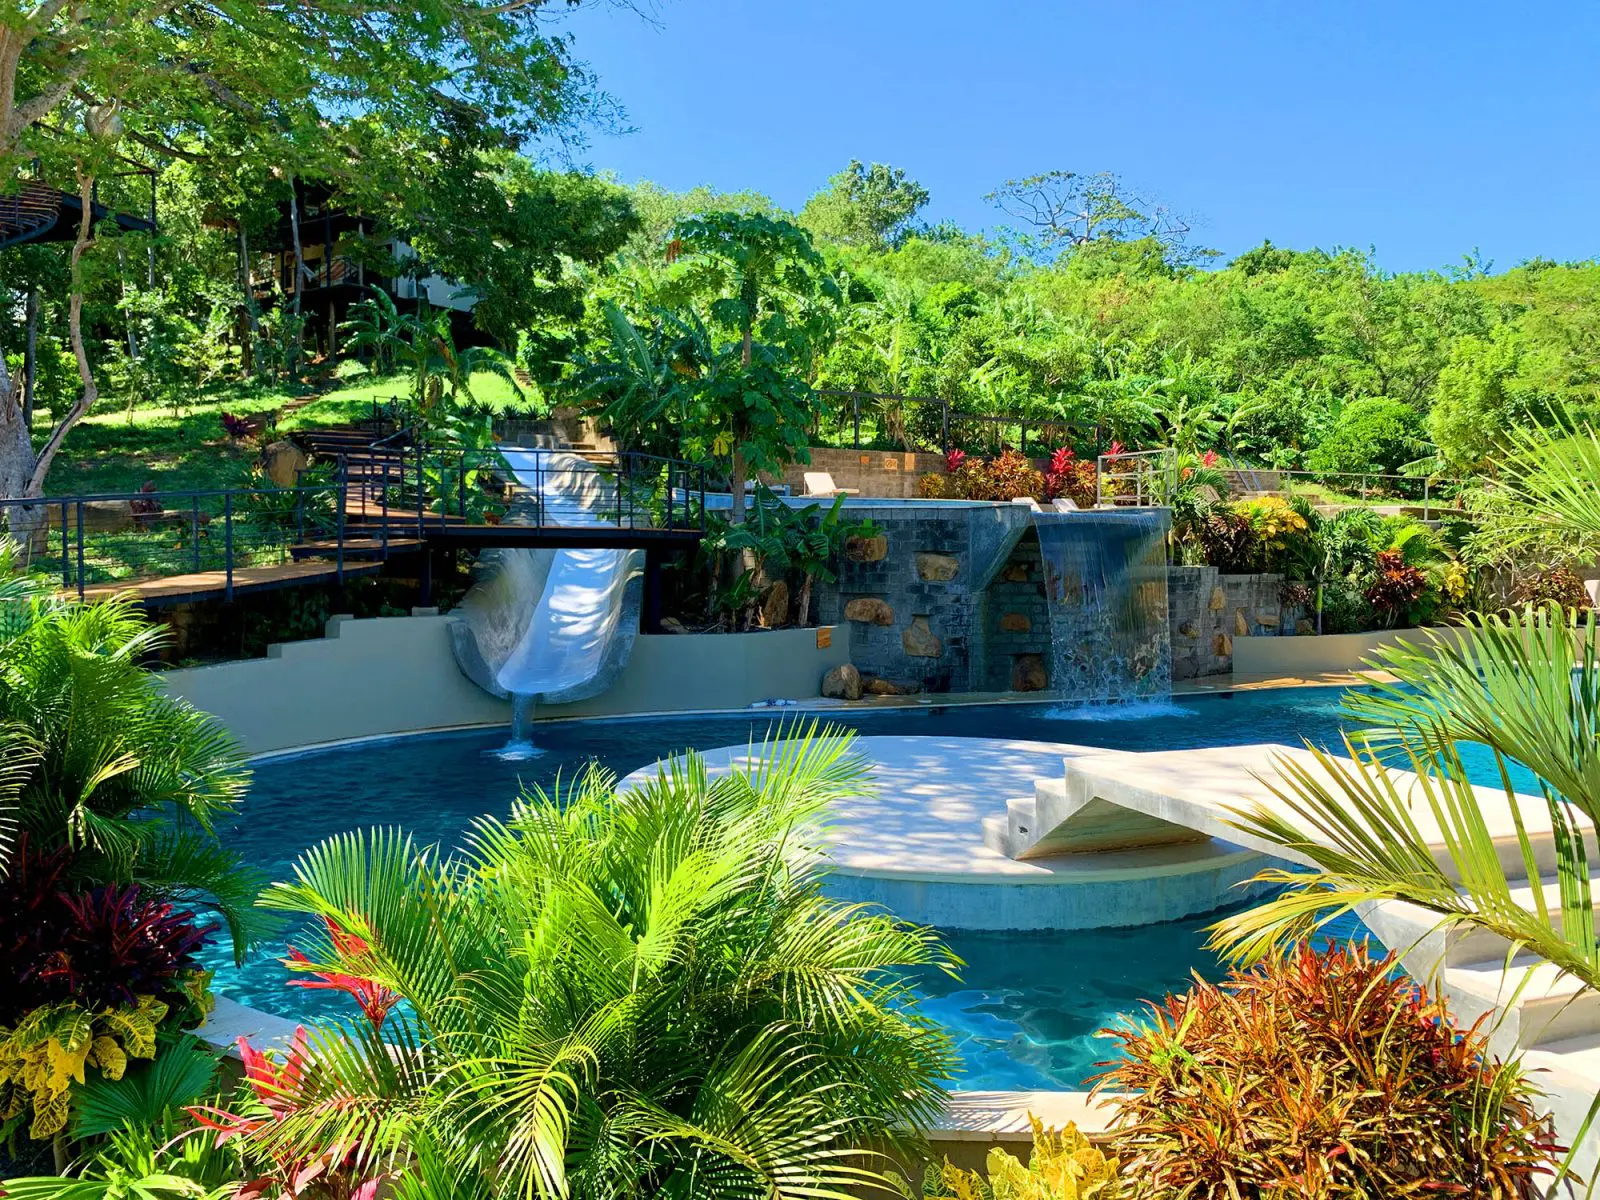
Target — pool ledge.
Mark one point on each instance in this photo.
(985, 1117)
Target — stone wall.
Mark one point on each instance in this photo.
(882, 474)
(1016, 624)
(1208, 610)
(913, 595)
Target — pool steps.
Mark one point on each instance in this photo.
(1120, 799)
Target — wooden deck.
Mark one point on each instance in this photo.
(213, 585)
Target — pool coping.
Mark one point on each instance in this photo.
(1181, 689)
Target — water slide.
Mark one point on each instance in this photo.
(550, 626)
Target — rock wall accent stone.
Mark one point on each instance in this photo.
(867, 550)
(1208, 610)
(1015, 622)
(870, 610)
(1029, 673)
(920, 641)
(937, 568)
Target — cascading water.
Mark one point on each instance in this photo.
(1105, 574)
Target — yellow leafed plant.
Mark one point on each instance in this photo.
(1064, 1166)
(48, 1050)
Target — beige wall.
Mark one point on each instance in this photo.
(397, 674)
(1277, 657)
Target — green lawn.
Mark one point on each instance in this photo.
(116, 449)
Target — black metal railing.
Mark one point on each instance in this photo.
(880, 420)
(112, 538)
(383, 493)
(399, 486)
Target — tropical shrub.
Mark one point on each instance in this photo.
(646, 987)
(1320, 1075)
(1226, 541)
(1552, 585)
(87, 976)
(1064, 1166)
(1377, 436)
(1275, 526)
(128, 781)
(1396, 587)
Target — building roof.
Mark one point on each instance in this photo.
(38, 212)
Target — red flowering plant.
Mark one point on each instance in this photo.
(327, 1118)
(374, 999)
(1071, 477)
(953, 460)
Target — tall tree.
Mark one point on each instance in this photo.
(865, 206)
(342, 89)
(761, 276)
(1066, 210)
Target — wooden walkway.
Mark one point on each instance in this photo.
(311, 563)
(213, 585)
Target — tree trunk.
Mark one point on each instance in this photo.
(299, 272)
(737, 516)
(22, 471)
(802, 616)
(30, 357)
(252, 318)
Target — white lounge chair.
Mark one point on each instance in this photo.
(820, 483)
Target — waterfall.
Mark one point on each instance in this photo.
(1105, 575)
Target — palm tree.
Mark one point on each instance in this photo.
(100, 760)
(616, 994)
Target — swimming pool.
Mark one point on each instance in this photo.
(1025, 1013)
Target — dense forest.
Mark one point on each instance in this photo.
(1092, 311)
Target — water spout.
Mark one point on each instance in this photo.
(1105, 574)
(520, 747)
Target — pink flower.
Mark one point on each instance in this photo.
(954, 459)
(1209, 458)
(1114, 448)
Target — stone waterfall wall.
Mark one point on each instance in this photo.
(951, 599)
(914, 595)
(1208, 610)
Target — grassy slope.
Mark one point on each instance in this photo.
(116, 450)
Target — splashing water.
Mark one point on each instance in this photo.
(1106, 585)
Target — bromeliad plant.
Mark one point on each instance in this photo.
(613, 993)
(1322, 1076)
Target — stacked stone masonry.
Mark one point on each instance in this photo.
(922, 619)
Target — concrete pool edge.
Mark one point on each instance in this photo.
(983, 1117)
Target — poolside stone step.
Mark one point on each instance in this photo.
(1118, 799)
(1415, 931)
(1538, 1004)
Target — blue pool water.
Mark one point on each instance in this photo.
(1027, 1009)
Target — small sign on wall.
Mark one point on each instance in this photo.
(824, 637)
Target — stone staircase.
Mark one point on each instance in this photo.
(1116, 800)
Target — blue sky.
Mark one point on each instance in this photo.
(1423, 129)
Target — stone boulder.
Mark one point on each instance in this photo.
(869, 610)
(874, 686)
(866, 550)
(1015, 622)
(775, 605)
(1029, 674)
(99, 516)
(282, 462)
(919, 641)
(937, 568)
(842, 683)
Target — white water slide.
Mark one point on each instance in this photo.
(568, 639)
